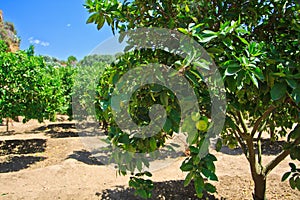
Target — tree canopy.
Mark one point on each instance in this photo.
(255, 45)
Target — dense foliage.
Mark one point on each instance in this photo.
(32, 88)
(256, 46)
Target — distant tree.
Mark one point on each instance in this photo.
(51, 60)
(28, 88)
(66, 73)
(95, 59)
(72, 60)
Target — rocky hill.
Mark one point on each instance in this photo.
(8, 33)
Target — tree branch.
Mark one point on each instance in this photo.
(259, 135)
(259, 158)
(263, 117)
(242, 121)
(252, 159)
(242, 144)
(272, 164)
(240, 132)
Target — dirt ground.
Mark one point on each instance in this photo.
(50, 161)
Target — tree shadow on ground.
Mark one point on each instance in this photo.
(85, 157)
(268, 148)
(61, 134)
(25, 146)
(65, 130)
(7, 133)
(163, 190)
(17, 163)
(104, 155)
(62, 130)
(53, 126)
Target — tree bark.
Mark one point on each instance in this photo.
(7, 128)
(258, 175)
(259, 187)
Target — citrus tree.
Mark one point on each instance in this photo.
(256, 47)
(29, 88)
(65, 72)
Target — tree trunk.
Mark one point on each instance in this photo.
(259, 187)
(7, 128)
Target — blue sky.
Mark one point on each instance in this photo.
(55, 27)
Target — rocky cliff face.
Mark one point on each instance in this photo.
(9, 34)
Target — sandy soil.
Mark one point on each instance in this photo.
(56, 165)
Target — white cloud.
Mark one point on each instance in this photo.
(69, 25)
(38, 42)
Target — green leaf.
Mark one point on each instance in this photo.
(258, 73)
(243, 40)
(192, 136)
(219, 145)
(139, 165)
(194, 149)
(228, 43)
(187, 125)
(168, 125)
(292, 83)
(253, 79)
(192, 78)
(183, 30)
(148, 174)
(295, 76)
(124, 139)
(207, 38)
(146, 162)
(210, 175)
(133, 183)
(215, 50)
(153, 144)
(296, 95)
(100, 23)
(202, 65)
(199, 186)
(186, 167)
(210, 188)
(232, 70)
(142, 193)
(285, 176)
(293, 167)
(188, 179)
(196, 159)
(211, 157)
(92, 18)
(295, 154)
(164, 98)
(278, 91)
(292, 183)
(187, 8)
(209, 32)
(297, 181)
(210, 166)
